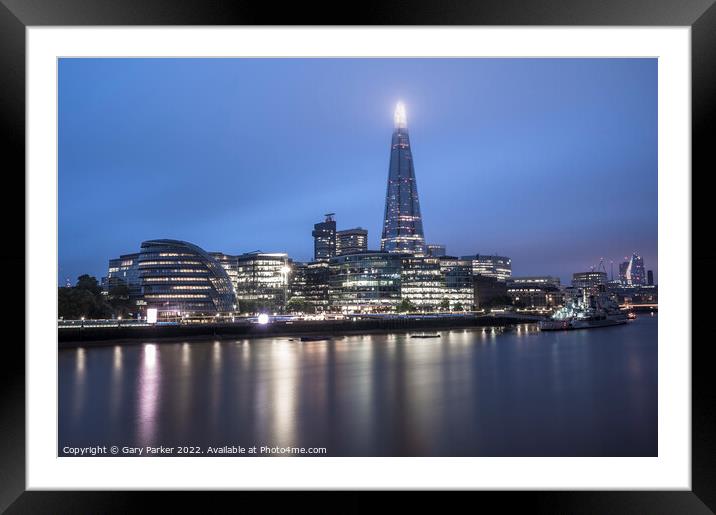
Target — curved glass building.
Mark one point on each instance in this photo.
(179, 278)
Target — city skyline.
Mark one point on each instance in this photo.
(125, 218)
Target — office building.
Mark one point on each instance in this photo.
(499, 267)
(650, 278)
(179, 279)
(459, 288)
(262, 281)
(534, 280)
(435, 250)
(309, 284)
(535, 294)
(324, 239)
(124, 271)
(402, 222)
(229, 264)
(351, 241)
(489, 292)
(422, 282)
(369, 281)
(592, 281)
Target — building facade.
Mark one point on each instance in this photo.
(435, 250)
(589, 280)
(489, 291)
(459, 287)
(178, 278)
(124, 271)
(351, 241)
(534, 280)
(402, 222)
(422, 282)
(262, 281)
(324, 239)
(499, 267)
(369, 281)
(309, 283)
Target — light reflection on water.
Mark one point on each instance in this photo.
(468, 393)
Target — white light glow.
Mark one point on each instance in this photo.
(152, 315)
(263, 319)
(400, 119)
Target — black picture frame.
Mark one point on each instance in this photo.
(16, 15)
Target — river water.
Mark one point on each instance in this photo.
(467, 393)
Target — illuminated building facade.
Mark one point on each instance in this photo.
(350, 241)
(402, 223)
(124, 271)
(369, 281)
(535, 295)
(309, 283)
(324, 239)
(178, 278)
(229, 264)
(534, 280)
(499, 267)
(422, 281)
(435, 250)
(589, 280)
(459, 290)
(262, 280)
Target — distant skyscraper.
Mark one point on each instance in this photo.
(650, 278)
(402, 225)
(351, 241)
(631, 271)
(324, 239)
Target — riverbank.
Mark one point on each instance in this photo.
(98, 336)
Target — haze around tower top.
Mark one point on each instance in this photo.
(552, 162)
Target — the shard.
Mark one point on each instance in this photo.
(402, 224)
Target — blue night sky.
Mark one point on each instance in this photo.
(552, 162)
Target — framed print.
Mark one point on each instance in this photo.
(447, 249)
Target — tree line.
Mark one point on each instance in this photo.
(86, 299)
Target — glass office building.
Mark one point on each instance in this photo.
(124, 271)
(368, 281)
(262, 280)
(459, 290)
(309, 282)
(422, 282)
(402, 223)
(178, 278)
(499, 267)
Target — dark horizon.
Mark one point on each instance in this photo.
(552, 162)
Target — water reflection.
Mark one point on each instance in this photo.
(148, 389)
(469, 392)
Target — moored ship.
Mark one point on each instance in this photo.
(586, 312)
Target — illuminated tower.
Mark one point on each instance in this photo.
(402, 225)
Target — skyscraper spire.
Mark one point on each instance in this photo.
(401, 121)
(402, 225)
